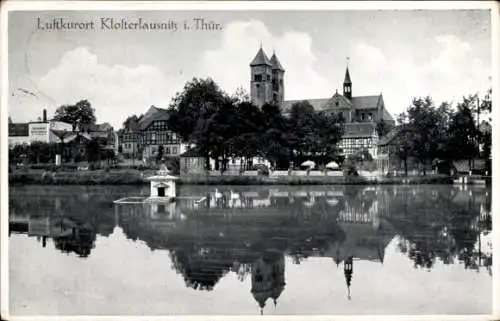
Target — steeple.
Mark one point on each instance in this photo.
(347, 82)
(275, 63)
(348, 275)
(260, 59)
(278, 76)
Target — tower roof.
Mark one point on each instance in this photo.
(275, 63)
(347, 78)
(260, 59)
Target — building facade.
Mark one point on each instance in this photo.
(143, 139)
(360, 136)
(267, 86)
(19, 134)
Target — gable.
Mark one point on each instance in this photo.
(151, 115)
(337, 102)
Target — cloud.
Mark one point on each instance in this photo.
(228, 65)
(452, 73)
(115, 91)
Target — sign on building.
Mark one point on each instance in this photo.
(39, 132)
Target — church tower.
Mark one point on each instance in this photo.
(278, 80)
(261, 79)
(347, 84)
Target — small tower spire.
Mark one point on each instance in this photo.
(347, 82)
(348, 274)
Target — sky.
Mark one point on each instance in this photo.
(402, 54)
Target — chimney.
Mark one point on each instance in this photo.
(44, 119)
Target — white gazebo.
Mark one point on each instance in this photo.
(162, 185)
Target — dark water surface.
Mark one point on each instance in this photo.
(251, 250)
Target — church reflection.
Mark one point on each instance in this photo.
(255, 234)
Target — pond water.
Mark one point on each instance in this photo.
(251, 250)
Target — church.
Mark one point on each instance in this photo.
(361, 113)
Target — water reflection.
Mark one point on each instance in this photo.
(250, 231)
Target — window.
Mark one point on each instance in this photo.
(257, 77)
(337, 103)
(268, 77)
(174, 150)
(167, 150)
(362, 116)
(370, 116)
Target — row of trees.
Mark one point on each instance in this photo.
(223, 126)
(442, 133)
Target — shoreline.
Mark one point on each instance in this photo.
(137, 178)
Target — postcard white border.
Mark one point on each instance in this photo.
(241, 6)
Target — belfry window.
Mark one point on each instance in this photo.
(257, 77)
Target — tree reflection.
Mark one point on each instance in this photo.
(72, 218)
(433, 224)
(443, 226)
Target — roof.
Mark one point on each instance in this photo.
(389, 137)
(387, 116)
(318, 104)
(104, 127)
(347, 78)
(260, 59)
(360, 102)
(64, 135)
(337, 102)
(366, 102)
(153, 113)
(18, 130)
(365, 129)
(275, 63)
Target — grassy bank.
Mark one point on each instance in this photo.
(135, 177)
(77, 178)
(309, 180)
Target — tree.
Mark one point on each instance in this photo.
(301, 126)
(159, 155)
(275, 137)
(382, 128)
(462, 132)
(428, 129)
(329, 129)
(313, 134)
(93, 150)
(241, 95)
(78, 114)
(193, 115)
(131, 123)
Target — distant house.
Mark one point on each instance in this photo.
(192, 162)
(19, 134)
(359, 136)
(39, 131)
(76, 142)
(151, 132)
